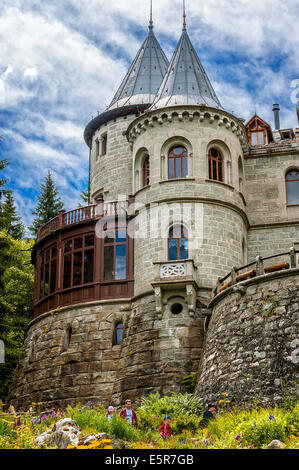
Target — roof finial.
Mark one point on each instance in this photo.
(151, 23)
(184, 17)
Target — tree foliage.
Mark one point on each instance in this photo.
(49, 204)
(9, 219)
(16, 299)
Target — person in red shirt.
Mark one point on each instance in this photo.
(164, 429)
(129, 414)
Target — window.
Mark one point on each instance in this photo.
(67, 338)
(215, 165)
(178, 163)
(115, 255)
(145, 172)
(104, 144)
(292, 186)
(118, 333)
(178, 243)
(48, 272)
(97, 148)
(241, 175)
(257, 131)
(78, 261)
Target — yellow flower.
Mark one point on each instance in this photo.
(224, 394)
(108, 447)
(227, 401)
(220, 402)
(82, 447)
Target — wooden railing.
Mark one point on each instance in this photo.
(258, 268)
(82, 214)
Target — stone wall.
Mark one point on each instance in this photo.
(252, 341)
(154, 355)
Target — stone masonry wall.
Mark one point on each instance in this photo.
(154, 355)
(252, 342)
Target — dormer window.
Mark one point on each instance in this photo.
(259, 132)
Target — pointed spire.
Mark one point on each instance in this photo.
(145, 75)
(151, 23)
(186, 81)
(184, 17)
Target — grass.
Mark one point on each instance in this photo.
(234, 428)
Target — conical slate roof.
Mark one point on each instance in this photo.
(186, 81)
(145, 75)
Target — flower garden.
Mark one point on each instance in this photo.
(235, 427)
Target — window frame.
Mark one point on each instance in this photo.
(288, 182)
(219, 160)
(44, 262)
(146, 171)
(72, 252)
(181, 158)
(178, 242)
(115, 244)
(115, 341)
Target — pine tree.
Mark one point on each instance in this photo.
(9, 219)
(49, 204)
(3, 164)
(85, 195)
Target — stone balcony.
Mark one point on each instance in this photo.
(175, 278)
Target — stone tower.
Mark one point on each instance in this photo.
(134, 291)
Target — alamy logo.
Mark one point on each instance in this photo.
(295, 93)
(2, 352)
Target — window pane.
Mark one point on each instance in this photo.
(173, 249)
(108, 263)
(88, 266)
(121, 262)
(68, 245)
(109, 236)
(41, 290)
(220, 171)
(261, 138)
(67, 271)
(48, 254)
(121, 236)
(47, 274)
(78, 243)
(53, 277)
(214, 175)
(184, 248)
(254, 138)
(119, 333)
(185, 167)
(54, 252)
(293, 192)
(171, 168)
(89, 241)
(77, 273)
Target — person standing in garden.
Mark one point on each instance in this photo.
(129, 414)
(164, 429)
(110, 413)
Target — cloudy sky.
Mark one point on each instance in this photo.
(57, 58)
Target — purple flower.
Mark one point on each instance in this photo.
(238, 437)
(271, 417)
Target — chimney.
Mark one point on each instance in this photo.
(276, 110)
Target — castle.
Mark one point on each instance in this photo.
(185, 261)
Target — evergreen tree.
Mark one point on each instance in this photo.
(3, 164)
(9, 219)
(85, 195)
(49, 204)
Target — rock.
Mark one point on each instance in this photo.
(115, 443)
(65, 432)
(275, 445)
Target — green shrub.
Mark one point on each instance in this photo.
(190, 381)
(175, 404)
(264, 431)
(6, 429)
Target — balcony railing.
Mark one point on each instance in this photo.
(83, 214)
(260, 267)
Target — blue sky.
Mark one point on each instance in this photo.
(57, 59)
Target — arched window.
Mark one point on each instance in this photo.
(215, 165)
(118, 333)
(178, 163)
(178, 243)
(145, 172)
(292, 186)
